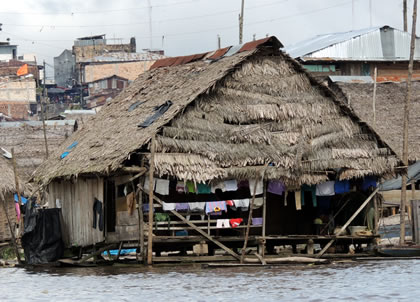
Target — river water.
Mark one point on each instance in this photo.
(361, 281)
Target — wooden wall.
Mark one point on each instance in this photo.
(77, 209)
(4, 227)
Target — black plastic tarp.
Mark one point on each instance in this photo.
(42, 240)
(158, 111)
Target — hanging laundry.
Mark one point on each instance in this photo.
(131, 203)
(222, 223)
(217, 185)
(276, 187)
(97, 210)
(230, 203)
(241, 203)
(22, 199)
(146, 207)
(190, 187)
(258, 202)
(312, 189)
(197, 206)
(180, 187)
(285, 198)
(162, 186)
(231, 185)
(17, 207)
(235, 222)
(260, 186)
(368, 181)
(342, 186)
(216, 207)
(182, 207)
(146, 183)
(203, 189)
(257, 221)
(168, 206)
(325, 189)
(243, 184)
(298, 201)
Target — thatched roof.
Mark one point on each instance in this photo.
(27, 139)
(233, 111)
(390, 100)
(7, 177)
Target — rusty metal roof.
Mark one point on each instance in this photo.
(218, 54)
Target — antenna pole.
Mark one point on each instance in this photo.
(241, 22)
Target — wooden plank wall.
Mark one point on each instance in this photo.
(4, 227)
(77, 209)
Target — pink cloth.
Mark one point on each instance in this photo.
(17, 211)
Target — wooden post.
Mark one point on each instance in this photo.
(43, 99)
(374, 96)
(348, 222)
(241, 23)
(141, 226)
(151, 212)
(20, 222)
(376, 222)
(407, 109)
(405, 15)
(264, 218)
(10, 227)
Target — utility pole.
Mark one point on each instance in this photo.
(150, 24)
(241, 22)
(405, 15)
(405, 128)
(219, 42)
(370, 13)
(43, 99)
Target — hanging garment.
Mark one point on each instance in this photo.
(182, 207)
(97, 210)
(241, 203)
(231, 185)
(258, 202)
(243, 184)
(215, 207)
(312, 189)
(260, 186)
(146, 184)
(325, 189)
(257, 221)
(197, 206)
(217, 185)
(369, 181)
(298, 201)
(17, 211)
(276, 187)
(131, 203)
(168, 206)
(230, 203)
(203, 189)
(235, 222)
(180, 187)
(222, 223)
(162, 186)
(342, 186)
(190, 187)
(285, 198)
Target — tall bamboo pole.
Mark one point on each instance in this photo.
(405, 15)
(241, 23)
(151, 188)
(405, 128)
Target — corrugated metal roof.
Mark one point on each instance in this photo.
(351, 79)
(220, 53)
(37, 123)
(371, 44)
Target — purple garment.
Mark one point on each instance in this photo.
(212, 205)
(243, 184)
(257, 221)
(184, 206)
(276, 187)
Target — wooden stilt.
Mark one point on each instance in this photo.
(17, 188)
(376, 221)
(141, 226)
(151, 212)
(348, 222)
(264, 219)
(10, 228)
(119, 250)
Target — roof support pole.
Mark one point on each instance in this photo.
(151, 212)
(241, 22)
(405, 127)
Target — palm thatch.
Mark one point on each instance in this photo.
(390, 99)
(7, 177)
(229, 118)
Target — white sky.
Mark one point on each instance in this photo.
(47, 27)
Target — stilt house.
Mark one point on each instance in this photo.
(227, 125)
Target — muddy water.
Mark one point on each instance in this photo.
(366, 281)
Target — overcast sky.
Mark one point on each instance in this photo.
(47, 27)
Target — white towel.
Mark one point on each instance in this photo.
(222, 223)
(325, 189)
(241, 203)
(217, 185)
(231, 185)
(298, 200)
(146, 183)
(197, 206)
(260, 186)
(162, 186)
(168, 206)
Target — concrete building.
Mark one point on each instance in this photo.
(65, 69)
(358, 52)
(16, 96)
(7, 52)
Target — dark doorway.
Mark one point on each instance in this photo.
(110, 213)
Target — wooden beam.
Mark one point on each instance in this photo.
(263, 262)
(195, 228)
(134, 169)
(96, 253)
(348, 223)
(151, 212)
